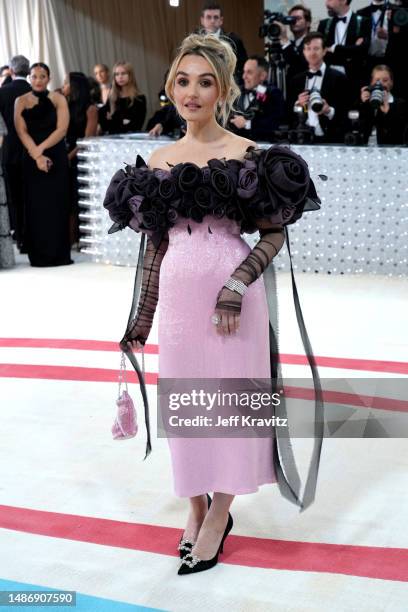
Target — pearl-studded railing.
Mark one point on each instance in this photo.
(362, 226)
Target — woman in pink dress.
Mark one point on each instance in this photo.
(192, 202)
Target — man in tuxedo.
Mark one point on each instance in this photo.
(329, 123)
(390, 119)
(13, 149)
(260, 107)
(378, 15)
(292, 51)
(348, 39)
(212, 21)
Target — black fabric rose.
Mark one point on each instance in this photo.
(218, 208)
(167, 189)
(116, 199)
(151, 188)
(203, 197)
(140, 178)
(194, 210)
(136, 220)
(222, 183)
(285, 176)
(247, 181)
(189, 177)
(172, 216)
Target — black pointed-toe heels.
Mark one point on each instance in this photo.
(184, 547)
(191, 563)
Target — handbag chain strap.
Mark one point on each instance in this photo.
(122, 377)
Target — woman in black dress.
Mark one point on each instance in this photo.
(41, 120)
(83, 122)
(125, 110)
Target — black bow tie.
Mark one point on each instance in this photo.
(376, 7)
(337, 19)
(311, 75)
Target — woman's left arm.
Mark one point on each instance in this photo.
(91, 121)
(58, 134)
(228, 306)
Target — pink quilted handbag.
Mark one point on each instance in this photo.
(125, 425)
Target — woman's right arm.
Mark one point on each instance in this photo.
(21, 128)
(139, 329)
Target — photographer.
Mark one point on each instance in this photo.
(348, 38)
(389, 117)
(260, 107)
(292, 51)
(323, 89)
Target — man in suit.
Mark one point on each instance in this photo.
(13, 149)
(212, 21)
(292, 51)
(390, 119)
(378, 15)
(329, 123)
(348, 39)
(260, 108)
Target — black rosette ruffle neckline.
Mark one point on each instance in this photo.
(269, 183)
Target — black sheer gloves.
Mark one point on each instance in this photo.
(228, 306)
(139, 328)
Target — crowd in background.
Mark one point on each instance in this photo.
(343, 83)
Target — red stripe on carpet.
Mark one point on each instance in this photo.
(369, 365)
(48, 372)
(366, 561)
(81, 374)
(78, 345)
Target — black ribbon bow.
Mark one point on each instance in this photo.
(311, 75)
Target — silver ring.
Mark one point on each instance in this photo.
(216, 319)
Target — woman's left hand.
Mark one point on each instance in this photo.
(228, 308)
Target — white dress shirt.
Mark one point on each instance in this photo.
(312, 117)
(378, 46)
(340, 35)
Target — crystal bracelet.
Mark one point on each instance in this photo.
(236, 285)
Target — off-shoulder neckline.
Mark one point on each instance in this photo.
(221, 159)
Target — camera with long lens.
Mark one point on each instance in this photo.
(271, 30)
(315, 100)
(377, 92)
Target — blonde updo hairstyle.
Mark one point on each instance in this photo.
(222, 59)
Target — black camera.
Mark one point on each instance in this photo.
(376, 95)
(271, 30)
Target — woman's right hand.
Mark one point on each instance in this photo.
(135, 337)
(127, 345)
(156, 130)
(43, 163)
